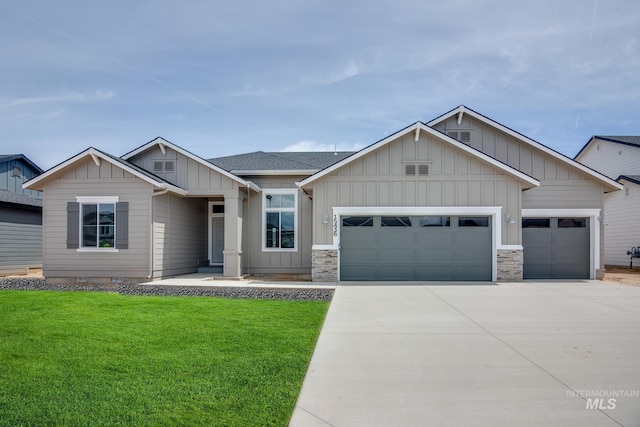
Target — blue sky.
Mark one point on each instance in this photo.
(221, 78)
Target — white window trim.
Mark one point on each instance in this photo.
(92, 200)
(287, 191)
(594, 229)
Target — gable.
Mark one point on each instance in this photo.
(516, 150)
(194, 173)
(182, 170)
(94, 165)
(418, 143)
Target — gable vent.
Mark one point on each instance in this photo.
(410, 169)
(463, 136)
(158, 166)
(169, 166)
(423, 169)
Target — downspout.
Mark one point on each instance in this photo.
(151, 231)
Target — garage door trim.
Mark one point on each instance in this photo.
(494, 212)
(594, 229)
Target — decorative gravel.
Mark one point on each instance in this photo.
(299, 294)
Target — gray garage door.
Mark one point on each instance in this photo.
(556, 248)
(415, 248)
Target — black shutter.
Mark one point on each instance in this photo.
(122, 225)
(73, 225)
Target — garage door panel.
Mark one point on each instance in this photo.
(396, 272)
(398, 239)
(425, 236)
(432, 256)
(472, 272)
(361, 255)
(357, 271)
(358, 240)
(472, 256)
(396, 255)
(434, 272)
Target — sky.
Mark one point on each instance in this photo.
(227, 77)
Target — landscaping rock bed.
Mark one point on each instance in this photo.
(35, 283)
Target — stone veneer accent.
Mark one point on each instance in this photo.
(510, 262)
(324, 265)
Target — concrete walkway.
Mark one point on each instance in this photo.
(213, 280)
(516, 354)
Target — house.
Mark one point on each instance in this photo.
(20, 216)
(617, 157)
(461, 197)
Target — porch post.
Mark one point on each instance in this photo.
(232, 236)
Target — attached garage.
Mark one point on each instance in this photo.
(406, 248)
(556, 248)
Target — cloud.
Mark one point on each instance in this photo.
(309, 145)
(61, 98)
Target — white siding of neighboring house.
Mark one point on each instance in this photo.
(611, 159)
(622, 224)
(622, 229)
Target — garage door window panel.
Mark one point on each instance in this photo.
(473, 221)
(357, 221)
(572, 222)
(536, 223)
(435, 221)
(395, 221)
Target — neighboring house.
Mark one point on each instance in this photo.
(459, 198)
(618, 157)
(20, 215)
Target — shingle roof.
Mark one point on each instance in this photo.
(632, 178)
(275, 161)
(628, 140)
(19, 199)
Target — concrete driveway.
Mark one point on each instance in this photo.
(514, 354)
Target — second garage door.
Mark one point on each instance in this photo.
(556, 248)
(402, 248)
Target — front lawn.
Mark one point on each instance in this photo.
(92, 358)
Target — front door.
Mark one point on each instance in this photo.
(216, 233)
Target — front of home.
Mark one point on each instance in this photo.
(459, 198)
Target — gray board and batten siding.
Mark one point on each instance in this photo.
(380, 179)
(562, 187)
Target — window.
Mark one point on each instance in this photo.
(473, 221)
(280, 219)
(435, 221)
(536, 222)
(395, 221)
(572, 222)
(98, 224)
(357, 221)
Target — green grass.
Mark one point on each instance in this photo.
(79, 359)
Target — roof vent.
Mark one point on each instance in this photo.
(169, 166)
(410, 169)
(158, 166)
(463, 136)
(423, 169)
